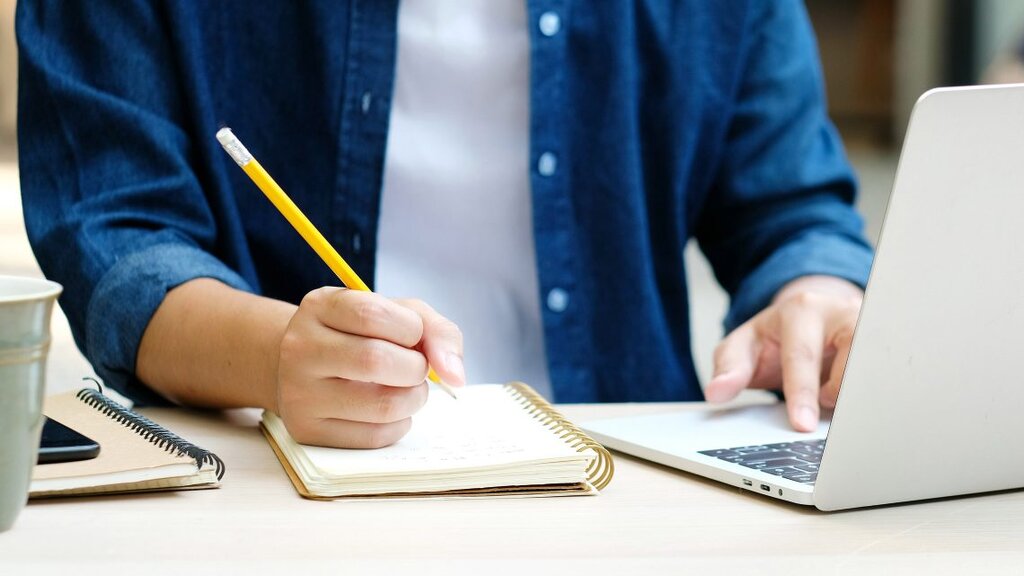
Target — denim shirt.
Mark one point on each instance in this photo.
(651, 122)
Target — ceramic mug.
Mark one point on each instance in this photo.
(26, 305)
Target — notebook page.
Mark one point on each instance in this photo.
(484, 427)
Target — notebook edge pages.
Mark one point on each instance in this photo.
(581, 489)
(586, 463)
(163, 470)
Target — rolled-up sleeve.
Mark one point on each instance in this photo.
(127, 296)
(782, 204)
(112, 205)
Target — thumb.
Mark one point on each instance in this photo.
(735, 360)
(441, 343)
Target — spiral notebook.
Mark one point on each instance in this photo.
(136, 454)
(494, 440)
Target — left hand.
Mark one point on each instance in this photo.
(799, 343)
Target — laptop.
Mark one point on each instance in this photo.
(932, 400)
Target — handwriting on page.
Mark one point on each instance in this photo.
(456, 448)
(483, 428)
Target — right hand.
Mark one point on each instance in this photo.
(353, 365)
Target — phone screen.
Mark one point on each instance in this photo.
(62, 444)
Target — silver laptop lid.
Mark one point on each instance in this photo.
(932, 402)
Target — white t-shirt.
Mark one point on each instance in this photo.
(456, 227)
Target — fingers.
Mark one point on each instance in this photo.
(441, 343)
(802, 340)
(735, 362)
(407, 324)
(364, 402)
(842, 340)
(339, 355)
(810, 326)
(348, 434)
(367, 314)
(349, 414)
(352, 365)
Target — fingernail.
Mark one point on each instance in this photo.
(453, 365)
(807, 418)
(713, 392)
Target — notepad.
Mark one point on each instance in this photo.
(136, 454)
(494, 440)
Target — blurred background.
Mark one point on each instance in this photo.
(878, 57)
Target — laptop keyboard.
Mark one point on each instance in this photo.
(796, 461)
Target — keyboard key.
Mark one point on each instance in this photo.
(807, 451)
(796, 461)
(767, 455)
(719, 453)
(817, 443)
(780, 463)
(787, 462)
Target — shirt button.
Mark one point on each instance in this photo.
(558, 300)
(357, 243)
(549, 23)
(547, 164)
(366, 101)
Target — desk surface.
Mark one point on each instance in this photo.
(650, 519)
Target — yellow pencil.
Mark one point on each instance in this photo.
(298, 220)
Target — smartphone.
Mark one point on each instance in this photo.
(62, 444)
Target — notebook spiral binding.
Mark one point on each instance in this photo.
(151, 431)
(602, 469)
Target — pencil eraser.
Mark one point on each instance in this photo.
(233, 146)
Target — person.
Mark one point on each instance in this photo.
(532, 169)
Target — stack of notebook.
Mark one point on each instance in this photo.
(136, 454)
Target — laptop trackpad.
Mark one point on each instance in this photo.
(688, 431)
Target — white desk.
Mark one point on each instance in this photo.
(650, 519)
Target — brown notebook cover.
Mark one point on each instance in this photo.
(136, 454)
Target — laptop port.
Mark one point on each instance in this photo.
(747, 482)
(766, 488)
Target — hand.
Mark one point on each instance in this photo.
(799, 343)
(353, 365)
